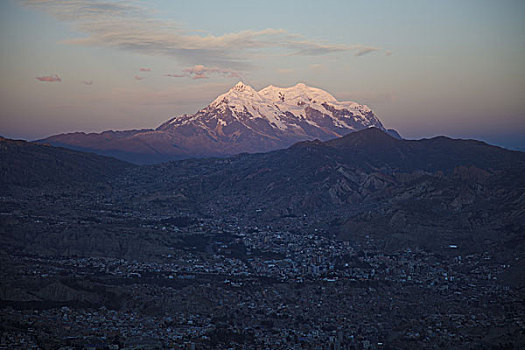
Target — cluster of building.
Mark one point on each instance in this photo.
(231, 283)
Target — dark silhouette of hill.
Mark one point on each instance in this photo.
(347, 169)
(33, 165)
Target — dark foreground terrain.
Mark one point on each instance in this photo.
(363, 242)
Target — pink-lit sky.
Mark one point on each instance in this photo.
(425, 67)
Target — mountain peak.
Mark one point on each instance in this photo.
(240, 86)
(237, 95)
(242, 120)
(369, 137)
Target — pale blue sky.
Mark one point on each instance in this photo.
(425, 67)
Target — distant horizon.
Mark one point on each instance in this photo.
(92, 66)
(512, 148)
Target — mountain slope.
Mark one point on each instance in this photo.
(241, 120)
(352, 169)
(430, 192)
(33, 165)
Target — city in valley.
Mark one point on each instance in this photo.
(145, 258)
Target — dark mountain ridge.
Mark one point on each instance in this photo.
(29, 164)
(360, 168)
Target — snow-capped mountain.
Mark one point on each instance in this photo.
(240, 120)
(299, 111)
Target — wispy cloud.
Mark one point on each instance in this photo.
(145, 69)
(87, 82)
(364, 50)
(200, 76)
(202, 72)
(138, 77)
(310, 48)
(50, 78)
(176, 75)
(127, 25)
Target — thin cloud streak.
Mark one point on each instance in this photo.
(176, 75)
(50, 78)
(128, 26)
(202, 72)
(361, 51)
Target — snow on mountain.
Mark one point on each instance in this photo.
(296, 98)
(240, 120)
(293, 110)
